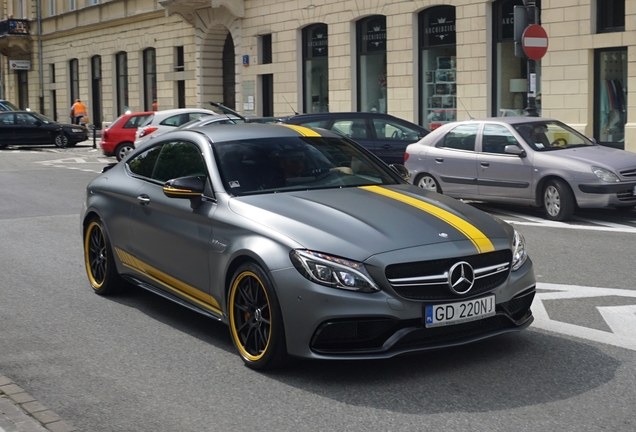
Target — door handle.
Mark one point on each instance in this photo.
(387, 147)
(439, 159)
(485, 164)
(143, 199)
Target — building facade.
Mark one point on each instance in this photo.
(428, 61)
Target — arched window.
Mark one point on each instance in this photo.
(371, 50)
(315, 69)
(438, 66)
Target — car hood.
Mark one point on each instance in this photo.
(360, 222)
(606, 157)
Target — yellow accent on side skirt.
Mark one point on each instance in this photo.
(194, 295)
(304, 131)
(479, 239)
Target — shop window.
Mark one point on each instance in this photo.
(23, 89)
(438, 66)
(121, 66)
(610, 16)
(371, 77)
(510, 73)
(315, 69)
(96, 91)
(229, 73)
(150, 79)
(610, 105)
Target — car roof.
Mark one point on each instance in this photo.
(170, 112)
(509, 120)
(248, 131)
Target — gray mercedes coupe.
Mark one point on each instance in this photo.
(304, 243)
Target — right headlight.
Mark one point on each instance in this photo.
(333, 271)
(605, 175)
(519, 254)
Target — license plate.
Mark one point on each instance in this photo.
(459, 312)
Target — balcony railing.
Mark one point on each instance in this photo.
(14, 27)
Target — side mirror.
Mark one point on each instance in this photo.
(401, 171)
(38, 123)
(184, 187)
(515, 150)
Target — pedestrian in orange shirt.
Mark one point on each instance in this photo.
(78, 112)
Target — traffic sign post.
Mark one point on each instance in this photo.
(534, 41)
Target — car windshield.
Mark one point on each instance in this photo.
(551, 135)
(8, 106)
(268, 165)
(44, 119)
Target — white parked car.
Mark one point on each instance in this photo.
(163, 121)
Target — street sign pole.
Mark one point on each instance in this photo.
(532, 74)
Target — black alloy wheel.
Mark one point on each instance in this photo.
(99, 261)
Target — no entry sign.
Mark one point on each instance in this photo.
(534, 41)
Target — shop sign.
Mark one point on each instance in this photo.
(440, 27)
(375, 36)
(20, 64)
(318, 42)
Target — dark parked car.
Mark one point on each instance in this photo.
(384, 135)
(28, 127)
(5, 105)
(304, 244)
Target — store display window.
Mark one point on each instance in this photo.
(438, 66)
(372, 80)
(610, 96)
(315, 69)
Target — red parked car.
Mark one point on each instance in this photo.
(118, 139)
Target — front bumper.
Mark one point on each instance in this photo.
(328, 323)
(606, 194)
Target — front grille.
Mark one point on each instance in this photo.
(353, 335)
(428, 280)
(626, 195)
(628, 172)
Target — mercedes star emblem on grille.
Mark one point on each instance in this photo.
(461, 277)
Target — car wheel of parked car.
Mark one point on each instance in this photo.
(61, 140)
(256, 323)
(123, 149)
(99, 260)
(427, 181)
(558, 200)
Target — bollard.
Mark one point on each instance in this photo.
(94, 137)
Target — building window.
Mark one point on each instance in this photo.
(610, 16)
(229, 73)
(150, 79)
(121, 73)
(96, 91)
(315, 69)
(23, 89)
(265, 48)
(52, 7)
(610, 116)
(179, 59)
(73, 66)
(52, 72)
(21, 10)
(181, 94)
(93, 2)
(72, 5)
(371, 57)
(438, 66)
(510, 72)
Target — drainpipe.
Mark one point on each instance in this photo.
(40, 66)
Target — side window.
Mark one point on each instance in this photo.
(496, 138)
(7, 119)
(355, 128)
(316, 123)
(390, 130)
(462, 137)
(194, 116)
(179, 159)
(144, 164)
(134, 122)
(175, 120)
(25, 119)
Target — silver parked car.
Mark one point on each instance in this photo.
(523, 160)
(304, 244)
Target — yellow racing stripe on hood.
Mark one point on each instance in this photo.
(304, 131)
(479, 239)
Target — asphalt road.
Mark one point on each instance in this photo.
(138, 363)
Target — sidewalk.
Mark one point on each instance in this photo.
(20, 412)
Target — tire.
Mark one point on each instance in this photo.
(256, 323)
(61, 140)
(123, 149)
(558, 200)
(99, 260)
(428, 182)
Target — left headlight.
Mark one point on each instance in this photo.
(605, 175)
(519, 254)
(333, 271)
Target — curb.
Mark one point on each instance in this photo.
(20, 412)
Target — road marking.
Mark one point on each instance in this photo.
(550, 224)
(620, 319)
